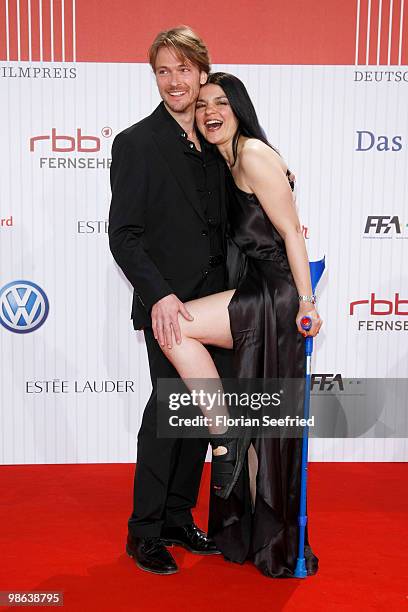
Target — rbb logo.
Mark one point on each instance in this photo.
(380, 308)
(327, 381)
(382, 224)
(67, 144)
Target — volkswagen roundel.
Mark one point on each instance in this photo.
(23, 306)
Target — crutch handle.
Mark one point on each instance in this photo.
(306, 323)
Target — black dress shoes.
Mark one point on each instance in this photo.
(151, 555)
(191, 538)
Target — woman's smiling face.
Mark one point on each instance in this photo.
(214, 116)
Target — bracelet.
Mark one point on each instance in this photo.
(308, 298)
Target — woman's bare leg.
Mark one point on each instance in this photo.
(210, 326)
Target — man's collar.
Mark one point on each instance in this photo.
(172, 121)
(179, 131)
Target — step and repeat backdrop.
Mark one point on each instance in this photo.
(330, 84)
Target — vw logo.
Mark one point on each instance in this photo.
(23, 306)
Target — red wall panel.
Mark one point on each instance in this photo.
(261, 31)
(236, 31)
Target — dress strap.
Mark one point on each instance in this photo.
(291, 178)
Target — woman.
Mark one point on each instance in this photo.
(260, 320)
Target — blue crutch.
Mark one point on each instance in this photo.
(316, 271)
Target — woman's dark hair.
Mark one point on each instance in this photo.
(242, 107)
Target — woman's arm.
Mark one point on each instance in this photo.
(264, 176)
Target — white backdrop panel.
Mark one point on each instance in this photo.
(312, 114)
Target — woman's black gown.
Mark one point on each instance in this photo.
(267, 344)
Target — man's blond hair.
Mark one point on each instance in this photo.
(185, 44)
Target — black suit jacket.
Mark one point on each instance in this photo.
(158, 233)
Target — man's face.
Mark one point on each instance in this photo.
(178, 81)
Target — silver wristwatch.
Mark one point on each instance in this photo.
(308, 298)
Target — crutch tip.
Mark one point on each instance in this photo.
(300, 570)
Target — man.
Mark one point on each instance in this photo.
(166, 232)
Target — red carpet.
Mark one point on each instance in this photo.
(63, 528)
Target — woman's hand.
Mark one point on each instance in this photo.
(306, 309)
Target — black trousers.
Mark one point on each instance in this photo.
(168, 471)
